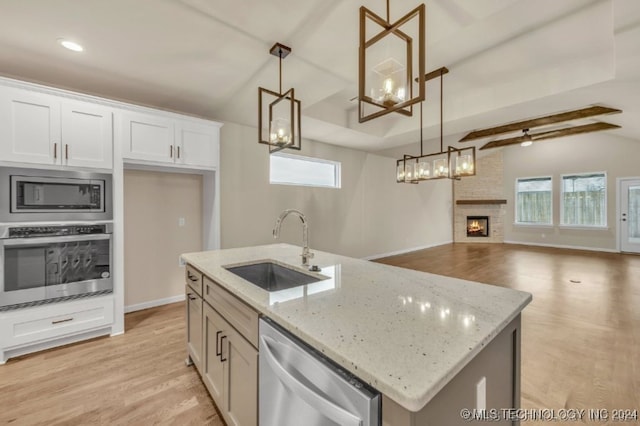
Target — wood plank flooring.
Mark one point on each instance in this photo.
(138, 378)
(581, 345)
(581, 340)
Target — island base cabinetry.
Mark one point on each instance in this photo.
(228, 360)
(491, 381)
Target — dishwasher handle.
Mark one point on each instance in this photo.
(324, 406)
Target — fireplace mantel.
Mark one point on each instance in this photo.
(478, 202)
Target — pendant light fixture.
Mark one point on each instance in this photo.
(452, 163)
(528, 140)
(279, 112)
(391, 53)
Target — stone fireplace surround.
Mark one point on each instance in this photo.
(481, 195)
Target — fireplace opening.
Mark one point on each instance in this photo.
(477, 226)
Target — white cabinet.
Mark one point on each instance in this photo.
(29, 127)
(197, 144)
(148, 138)
(30, 329)
(87, 135)
(45, 129)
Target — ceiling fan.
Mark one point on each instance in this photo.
(525, 125)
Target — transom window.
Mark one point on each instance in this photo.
(289, 169)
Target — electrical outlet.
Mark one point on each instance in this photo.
(481, 394)
(181, 221)
(181, 261)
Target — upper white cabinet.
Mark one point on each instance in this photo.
(150, 138)
(45, 129)
(87, 135)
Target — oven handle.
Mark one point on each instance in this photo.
(53, 240)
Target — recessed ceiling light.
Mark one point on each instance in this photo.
(71, 45)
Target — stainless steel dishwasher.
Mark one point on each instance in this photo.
(300, 386)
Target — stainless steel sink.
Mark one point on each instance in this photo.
(271, 276)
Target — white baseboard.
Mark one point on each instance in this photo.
(409, 250)
(523, 243)
(153, 303)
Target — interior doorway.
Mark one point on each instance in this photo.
(629, 208)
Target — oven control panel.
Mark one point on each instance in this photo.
(54, 231)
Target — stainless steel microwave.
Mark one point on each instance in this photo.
(35, 195)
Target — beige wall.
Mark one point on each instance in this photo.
(595, 152)
(368, 216)
(153, 203)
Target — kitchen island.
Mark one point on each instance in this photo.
(422, 340)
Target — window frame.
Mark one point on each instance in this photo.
(337, 170)
(515, 207)
(606, 200)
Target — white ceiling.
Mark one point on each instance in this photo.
(508, 59)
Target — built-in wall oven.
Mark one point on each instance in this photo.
(43, 264)
(55, 236)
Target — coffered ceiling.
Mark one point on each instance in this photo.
(508, 59)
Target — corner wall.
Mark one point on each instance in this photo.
(370, 215)
(595, 152)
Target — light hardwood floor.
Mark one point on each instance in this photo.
(138, 378)
(581, 345)
(580, 340)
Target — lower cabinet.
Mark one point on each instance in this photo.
(230, 370)
(194, 327)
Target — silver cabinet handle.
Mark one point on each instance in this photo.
(55, 150)
(171, 151)
(324, 406)
(191, 296)
(178, 149)
(66, 151)
(62, 320)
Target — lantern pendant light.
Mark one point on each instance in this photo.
(390, 55)
(279, 112)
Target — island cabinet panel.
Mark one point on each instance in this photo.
(213, 368)
(239, 315)
(497, 366)
(229, 356)
(241, 381)
(194, 327)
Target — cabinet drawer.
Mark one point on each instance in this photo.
(194, 279)
(242, 317)
(32, 325)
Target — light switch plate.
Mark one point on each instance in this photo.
(181, 261)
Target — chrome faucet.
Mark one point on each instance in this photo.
(306, 254)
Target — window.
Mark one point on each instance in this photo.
(533, 201)
(584, 200)
(288, 169)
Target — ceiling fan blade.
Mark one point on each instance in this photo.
(586, 128)
(541, 121)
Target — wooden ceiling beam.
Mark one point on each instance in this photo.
(569, 131)
(541, 121)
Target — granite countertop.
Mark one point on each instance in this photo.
(406, 333)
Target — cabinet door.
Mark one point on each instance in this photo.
(194, 327)
(212, 367)
(241, 380)
(87, 135)
(29, 127)
(148, 138)
(197, 144)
